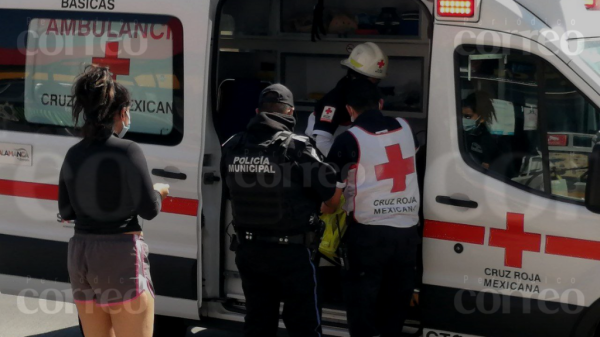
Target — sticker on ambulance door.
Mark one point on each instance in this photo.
(139, 55)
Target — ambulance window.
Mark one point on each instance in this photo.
(43, 52)
(508, 135)
(572, 124)
(496, 92)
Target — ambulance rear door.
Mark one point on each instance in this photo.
(158, 52)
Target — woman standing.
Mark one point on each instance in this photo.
(104, 186)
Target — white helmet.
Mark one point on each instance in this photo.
(369, 60)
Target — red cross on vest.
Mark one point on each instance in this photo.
(514, 240)
(397, 168)
(381, 64)
(111, 60)
(328, 111)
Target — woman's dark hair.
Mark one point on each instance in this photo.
(481, 103)
(98, 98)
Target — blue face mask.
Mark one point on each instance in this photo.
(469, 124)
(125, 127)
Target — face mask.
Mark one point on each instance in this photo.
(469, 124)
(125, 127)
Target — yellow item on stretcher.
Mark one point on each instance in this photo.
(335, 227)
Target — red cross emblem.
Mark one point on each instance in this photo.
(328, 111)
(397, 168)
(514, 240)
(111, 60)
(381, 64)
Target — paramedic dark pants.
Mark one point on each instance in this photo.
(379, 284)
(272, 274)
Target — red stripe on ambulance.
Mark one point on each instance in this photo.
(24, 189)
(584, 249)
(514, 240)
(454, 232)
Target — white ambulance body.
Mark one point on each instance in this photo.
(508, 251)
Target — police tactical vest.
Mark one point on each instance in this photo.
(265, 185)
(383, 188)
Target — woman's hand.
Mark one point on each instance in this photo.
(163, 189)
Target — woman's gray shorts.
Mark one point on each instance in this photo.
(108, 269)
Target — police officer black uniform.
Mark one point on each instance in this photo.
(276, 182)
(376, 161)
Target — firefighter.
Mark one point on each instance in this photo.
(376, 161)
(366, 61)
(276, 182)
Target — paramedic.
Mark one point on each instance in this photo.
(104, 186)
(366, 61)
(276, 182)
(478, 114)
(376, 161)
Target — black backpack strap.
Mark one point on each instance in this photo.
(281, 142)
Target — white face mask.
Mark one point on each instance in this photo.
(125, 127)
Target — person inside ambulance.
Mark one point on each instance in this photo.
(366, 61)
(478, 114)
(276, 181)
(375, 162)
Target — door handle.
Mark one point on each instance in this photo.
(167, 174)
(456, 202)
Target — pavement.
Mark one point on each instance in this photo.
(30, 317)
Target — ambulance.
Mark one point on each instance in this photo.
(509, 246)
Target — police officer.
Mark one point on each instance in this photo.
(276, 182)
(376, 161)
(366, 61)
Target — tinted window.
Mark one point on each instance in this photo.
(43, 52)
(524, 122)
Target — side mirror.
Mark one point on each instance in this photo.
(592, 189)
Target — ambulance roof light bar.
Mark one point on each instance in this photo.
(590, 4)
(458, 10)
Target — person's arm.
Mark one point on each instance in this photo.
(225, 148)
(327, 120)
(342, 156)
(147, 201)
(489, 148)
(331, 206)
(324, 142)
(65, 208)
(319, 175)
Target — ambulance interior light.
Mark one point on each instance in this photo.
(456, 8)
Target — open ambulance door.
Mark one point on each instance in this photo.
(160, 54)
(268, 41)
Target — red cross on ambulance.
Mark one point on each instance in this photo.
(515, 240)
(111, 60)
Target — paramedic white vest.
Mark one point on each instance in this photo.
(382, 188)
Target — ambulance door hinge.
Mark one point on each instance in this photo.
(211, 178)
